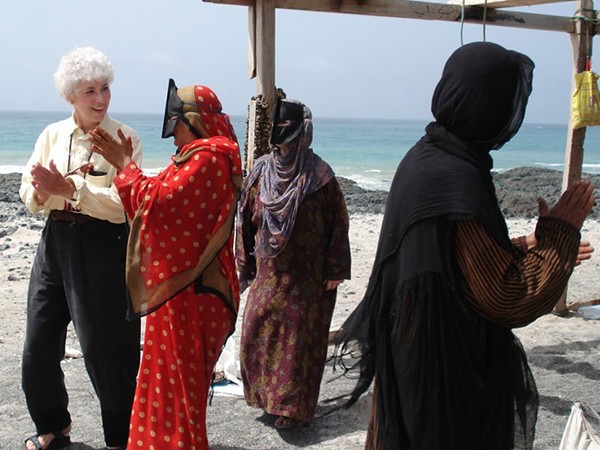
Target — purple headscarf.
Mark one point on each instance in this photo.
(286, 180)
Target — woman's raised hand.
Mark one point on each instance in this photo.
(574, 204)
(117, 153)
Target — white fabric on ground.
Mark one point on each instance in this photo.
(583, 429)
(229, 364)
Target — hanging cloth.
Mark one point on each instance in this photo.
(586, 98)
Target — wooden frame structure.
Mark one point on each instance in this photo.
(261, 23)
(581, 28)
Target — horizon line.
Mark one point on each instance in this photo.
(112, 113)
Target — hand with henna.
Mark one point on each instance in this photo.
(585, 252)
(117, 153)
(330, 285)
(573, 207)
(585, 248)
(574, 204)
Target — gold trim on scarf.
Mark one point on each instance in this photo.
(144, 300)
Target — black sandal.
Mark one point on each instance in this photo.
(60, 441)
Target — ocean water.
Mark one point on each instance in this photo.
(364, 150)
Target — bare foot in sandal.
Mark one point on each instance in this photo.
(55, 440)
(285, 423)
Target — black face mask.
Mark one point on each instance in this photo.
(173, 109)
(174, 112)
(287, 121)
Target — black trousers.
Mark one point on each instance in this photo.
(79, 275)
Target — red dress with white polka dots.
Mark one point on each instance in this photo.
(180, 211)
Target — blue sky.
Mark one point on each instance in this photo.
(340, 65)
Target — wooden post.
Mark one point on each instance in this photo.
(581, 46)
(265, 50)
(251, 41)
(261, 21)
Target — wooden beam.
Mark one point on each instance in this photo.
(423, 10)
(505, 3)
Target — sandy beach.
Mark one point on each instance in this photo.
(564, 353)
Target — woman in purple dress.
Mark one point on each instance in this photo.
(293, 251)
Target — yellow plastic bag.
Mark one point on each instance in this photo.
(586, 100)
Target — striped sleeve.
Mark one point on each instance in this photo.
(515, 288)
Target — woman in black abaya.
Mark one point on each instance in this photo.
(448, 284)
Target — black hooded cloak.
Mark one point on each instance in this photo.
(446, 377)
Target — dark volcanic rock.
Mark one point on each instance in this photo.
(361, 200)
(517, 191)
(9, 187)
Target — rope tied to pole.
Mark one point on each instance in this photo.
(462, 21)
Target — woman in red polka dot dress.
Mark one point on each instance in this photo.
(181, 268)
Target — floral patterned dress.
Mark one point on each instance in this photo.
(288, 311)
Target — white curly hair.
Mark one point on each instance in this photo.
(81, 64)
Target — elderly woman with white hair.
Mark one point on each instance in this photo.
(79, 270)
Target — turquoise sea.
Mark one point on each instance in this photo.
(365, 150)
